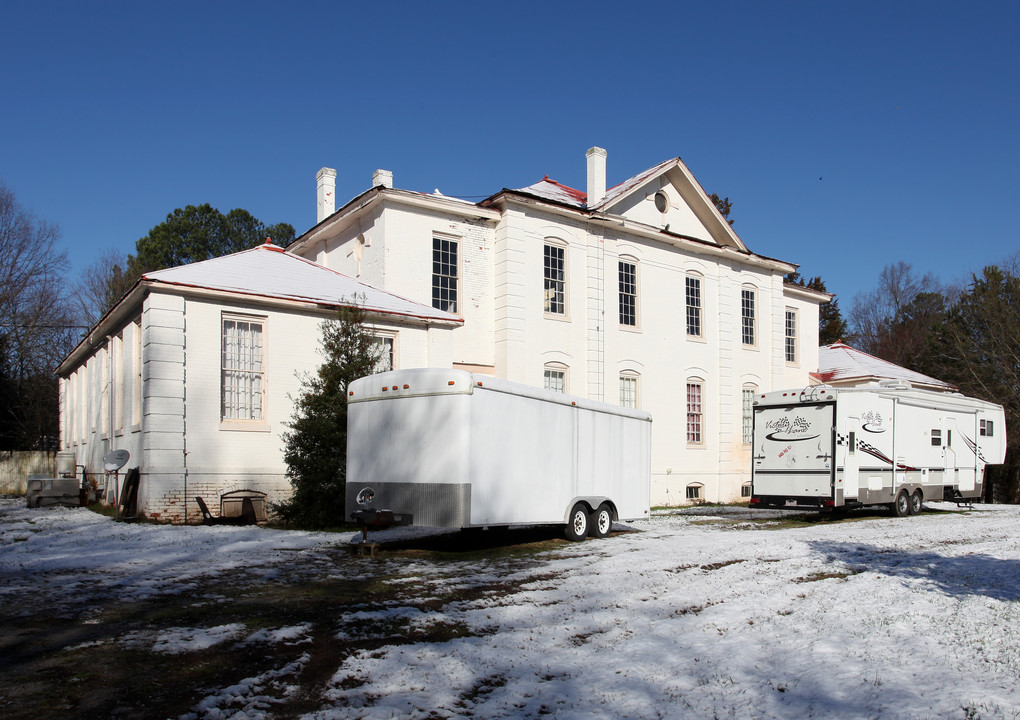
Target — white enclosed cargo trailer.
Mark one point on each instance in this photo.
(461, 450)
(828, 448)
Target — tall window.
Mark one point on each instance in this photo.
(243, 369)
(694, 412)
(444, 274)
(117, 398)
(791, 335)
(136, 369)
(747, 316)
(104, 390)
(628, 390)
(628, 293)
(555, 377)
(383, 346)
(555, 280)
(693, 306)
(747, 415)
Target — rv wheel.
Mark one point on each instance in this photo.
(577, 527)
(901, 508)
(915, 502)
(601, 521)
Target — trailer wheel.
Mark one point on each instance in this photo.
(916, 501)
(577, 526)
(601, 521)
(901, 506)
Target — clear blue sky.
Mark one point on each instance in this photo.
(849, 135)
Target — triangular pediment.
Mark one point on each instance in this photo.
(669, 198)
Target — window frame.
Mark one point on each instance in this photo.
(261, 423)
(791, 322)
(633, 379)
(550, 284)
(442, 247)
(632, 312)
(697, 309)
(136, 379)
(698, 491)
(986, 428)
(695, 406)
(380, 338)
(553, 370)
(748, 316)
(747, 393)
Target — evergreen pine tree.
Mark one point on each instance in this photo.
(315, 448)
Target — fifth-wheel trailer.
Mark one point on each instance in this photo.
(461, 450)
(828, 449)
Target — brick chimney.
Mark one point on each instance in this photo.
(382, 177)
(596, 157)
(325, 195)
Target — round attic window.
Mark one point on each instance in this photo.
(661, 201)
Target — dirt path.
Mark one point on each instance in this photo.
(285, 631)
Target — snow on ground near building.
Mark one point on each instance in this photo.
(916, 617)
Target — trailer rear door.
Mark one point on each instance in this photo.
(793, 451)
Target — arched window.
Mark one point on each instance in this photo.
(695, 411)
(629, 389)
(555, 377)
(693, 300)
(628, 277)
(555, 277)
(748, 319)
(696, 492)
(747, 394)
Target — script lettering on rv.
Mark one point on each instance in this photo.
(786, 429)
(871, 422)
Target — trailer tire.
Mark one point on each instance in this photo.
(901, 505)
(577, 523)
(916, 501)
(601, 522)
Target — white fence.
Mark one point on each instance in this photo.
(17, 465)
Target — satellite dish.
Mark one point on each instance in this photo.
(115, 460)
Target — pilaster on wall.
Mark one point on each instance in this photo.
(595, 329)
(509, 295)
(163, 410)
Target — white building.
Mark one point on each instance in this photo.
(641, 294)
(193, 372)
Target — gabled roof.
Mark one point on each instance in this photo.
(269, 271)
(677, 174)
(265, 272)
(840, 364)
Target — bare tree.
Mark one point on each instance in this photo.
(101, 285)
(36, 325)
(892, 321)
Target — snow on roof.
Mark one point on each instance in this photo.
(551, 190)
(272, 272)
(548, 189)
(840, 364)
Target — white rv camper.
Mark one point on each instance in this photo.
(456, 449)
(828, 449)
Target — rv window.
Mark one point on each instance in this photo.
(936, 437)
(949, 438)
(853, 442)
(987, 428)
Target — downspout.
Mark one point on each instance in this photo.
(184, 392)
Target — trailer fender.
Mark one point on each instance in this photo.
(592, 501)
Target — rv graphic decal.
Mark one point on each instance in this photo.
(974, 447)
(872, 422)
(786, 430)
(876, 453)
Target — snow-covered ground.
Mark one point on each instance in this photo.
(880, 617)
